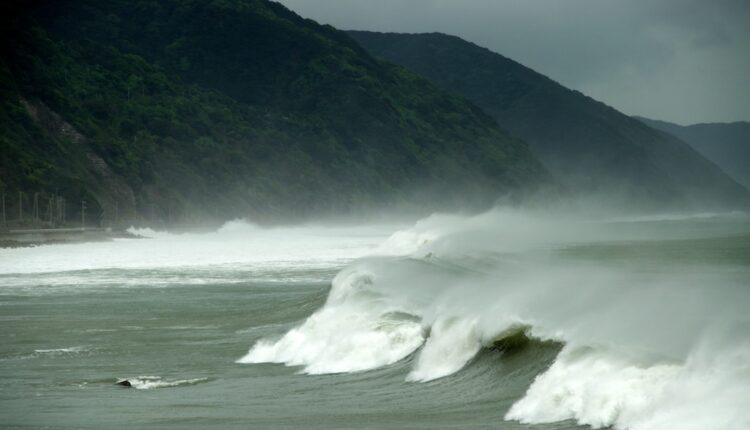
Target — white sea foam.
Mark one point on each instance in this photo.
(594, 387)
(167, 258)
(636, 354)
(648, 346)
(146, 232)
(51, 353)
(61, 351)
(356, 331)
(340, 340)
(452, 343)
(609, 389)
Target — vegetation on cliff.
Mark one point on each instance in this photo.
(191, 109)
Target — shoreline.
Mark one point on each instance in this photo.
(29, 238)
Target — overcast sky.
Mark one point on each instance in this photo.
(684, 61)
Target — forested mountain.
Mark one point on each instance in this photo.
(586, 144)
(726, 144)
(178, 110)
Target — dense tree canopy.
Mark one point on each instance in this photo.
(232, 107)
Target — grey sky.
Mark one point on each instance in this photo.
(685, 61)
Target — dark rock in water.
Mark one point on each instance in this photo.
(124, 383)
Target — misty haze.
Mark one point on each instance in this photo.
(334, 214)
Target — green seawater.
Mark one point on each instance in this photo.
(196, 333)
(67, 335)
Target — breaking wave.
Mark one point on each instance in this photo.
(237, 244)
(644, 346)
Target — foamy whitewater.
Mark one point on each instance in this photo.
(511, 319)
(648, 344)
(235, 243)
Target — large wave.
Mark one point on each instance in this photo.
(649, 343)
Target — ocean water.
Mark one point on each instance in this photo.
(509, 320)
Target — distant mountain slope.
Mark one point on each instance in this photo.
(726, 144)
(585, 143)
(180, 109)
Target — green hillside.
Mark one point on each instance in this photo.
(191, 110)
(726, 144)
(587, 145)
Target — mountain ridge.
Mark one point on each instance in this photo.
(236, 108)
(725, 143)
(586, 144)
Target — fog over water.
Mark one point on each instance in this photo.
(529, 317)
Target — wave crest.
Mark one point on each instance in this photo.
(632, 333)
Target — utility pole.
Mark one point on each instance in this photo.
(35, 209)
(83, 213)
